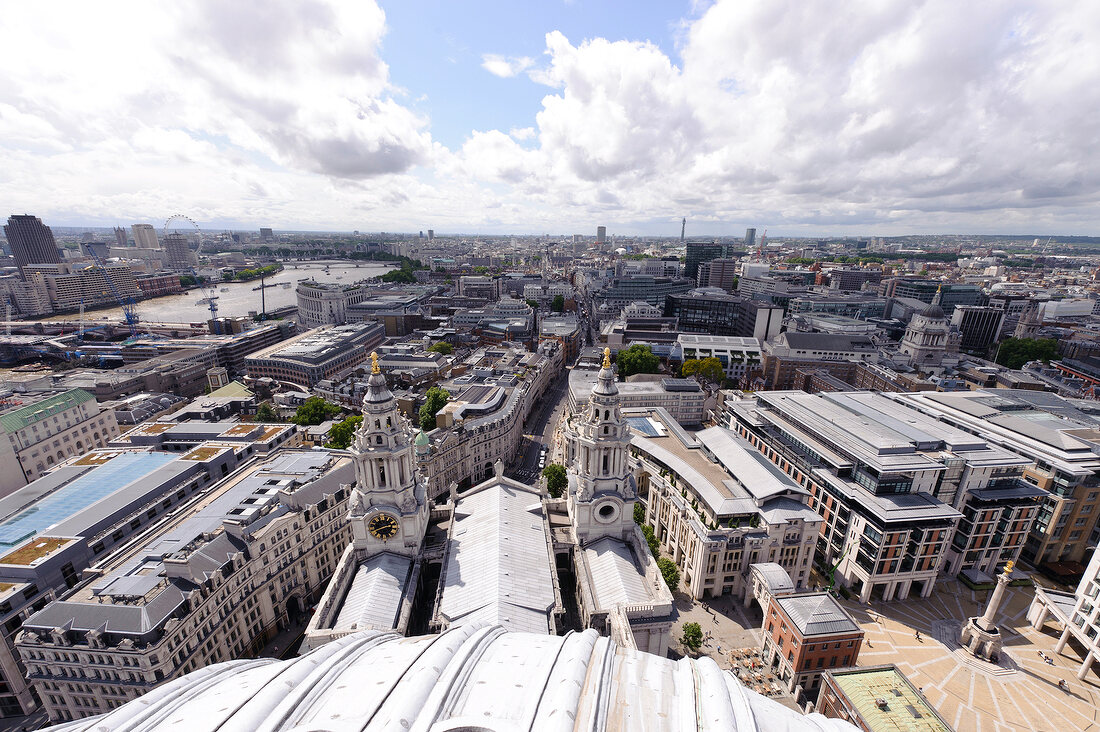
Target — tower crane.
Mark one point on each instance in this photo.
(129, 312)
(209, 294)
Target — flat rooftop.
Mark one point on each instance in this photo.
(34, 550)
(886, 700)
(71, 490)
(738, 480)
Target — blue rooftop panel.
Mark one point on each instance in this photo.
(86, 490)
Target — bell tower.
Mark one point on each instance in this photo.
(388, 506)
(602, 490)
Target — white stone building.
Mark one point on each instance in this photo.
(214, 581)
(42, 433)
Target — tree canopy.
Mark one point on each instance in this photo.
(266, 413)
(651, 540)
(442, 347)
(708, 369)
(558, 305)
(315, 410)
(692, 636)
(670, 572)
(638, 359)
(342, 433)
(534, 304)
(1015, 352)
(556, 481)
(434, 400)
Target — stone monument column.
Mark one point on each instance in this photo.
(981, 636)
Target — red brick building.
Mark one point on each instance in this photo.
(807, 634)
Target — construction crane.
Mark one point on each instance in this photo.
(209, 295)
(129, 311)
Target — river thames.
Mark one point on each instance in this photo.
(238, 298)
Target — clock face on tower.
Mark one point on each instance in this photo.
(383, 526)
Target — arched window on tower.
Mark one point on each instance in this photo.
(605, 468)
(381, 472)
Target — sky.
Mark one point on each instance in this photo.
(868, 117)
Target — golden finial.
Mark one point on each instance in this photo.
(1008, 568)
(374, 363)
(607, 358)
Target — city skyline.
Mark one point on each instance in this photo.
(878, 121)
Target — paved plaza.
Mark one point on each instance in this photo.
(1021, 693)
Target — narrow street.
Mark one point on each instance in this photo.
(539, 431)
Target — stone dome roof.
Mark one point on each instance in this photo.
(468, 678)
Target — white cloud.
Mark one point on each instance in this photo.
(879, 117)
(505, 66)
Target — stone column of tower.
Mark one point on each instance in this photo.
(602, 490)
(981, 636)
(389, 507)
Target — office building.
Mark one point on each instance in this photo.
(951, 294)
(791, 351)
(904, 497)
(622, 291)
(699, 252)
(317, 354)
(41, 432)
(851, 279)
(68, 285)
(601, 234)
(711, 312)
(214, 582)
(564, 330)
(806, 635)
(979, 327)
(1058, 436)
(31, 241)
(122, 238)
(145, 236)
(53, 529)
(858, 305)
(683, 399)
(721, 273)
(739, 356)
(719, 509)
(750, 238)
(178, 256)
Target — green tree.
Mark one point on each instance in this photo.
(266, 413)
(442, 347)
(558, 305)
(404, 276)
(692, 637)
(651, 540)
(670, 572)
(534, 304)
(709, 369)
(1015, 352)
(638, 359)
(556, 481)
(187, 281)
(434, 400)
(639, 513)
(314, 410)
(342, 433)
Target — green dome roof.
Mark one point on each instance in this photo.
(421, 439)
